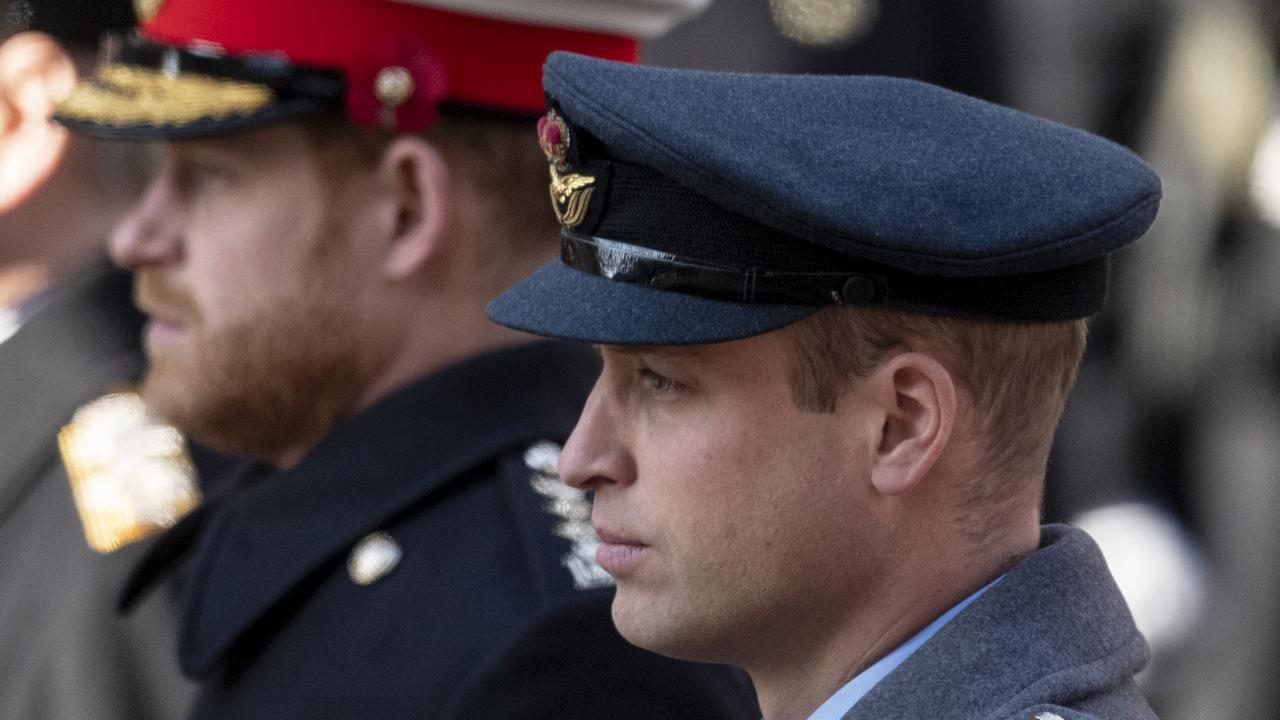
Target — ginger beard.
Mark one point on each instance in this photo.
(275, 378)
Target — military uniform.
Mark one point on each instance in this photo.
(699, 208)
(64, 651)
(420, 562)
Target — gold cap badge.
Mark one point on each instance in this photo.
(570, 192)
(130, 474)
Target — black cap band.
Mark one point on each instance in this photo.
(1059, 294)
(663, 271)
(645, 229)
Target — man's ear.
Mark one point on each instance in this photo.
(916, 397)
(35, 74)
(419, 180)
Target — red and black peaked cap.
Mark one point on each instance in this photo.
(206, 67)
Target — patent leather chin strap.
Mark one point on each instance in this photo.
(623, 262)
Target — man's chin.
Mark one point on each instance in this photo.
(167, 396)
(645, 625)
(173, 399)
(663, 625)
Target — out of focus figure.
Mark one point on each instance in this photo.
(944, 43)
(1118, 468)
(1177, 414)
(68, 335)
(1208, 317)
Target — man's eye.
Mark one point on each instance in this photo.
(660, 384)
(198, 174)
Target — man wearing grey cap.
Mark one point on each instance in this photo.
(839, 318)
(68, 335)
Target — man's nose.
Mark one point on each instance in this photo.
(596, 453)
(151, 232)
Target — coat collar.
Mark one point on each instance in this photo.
(81, 342)
(277, 529)
(1054, 629)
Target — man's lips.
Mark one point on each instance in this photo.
(618, 554)
(161, 328)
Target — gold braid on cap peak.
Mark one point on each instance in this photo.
(122, 95)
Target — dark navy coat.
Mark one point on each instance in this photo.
(64, 652)
(479, 619)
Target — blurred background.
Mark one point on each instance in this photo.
(1170, 449)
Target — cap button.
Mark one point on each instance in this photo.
(393, 86)
(860, 290)
(1046, 716)
(373, 557)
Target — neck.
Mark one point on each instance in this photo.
(920, 589)
(794, 688)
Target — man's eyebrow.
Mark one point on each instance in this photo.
(669, 351)
(231, 148)
(626, 349)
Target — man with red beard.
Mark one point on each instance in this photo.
(343, 185)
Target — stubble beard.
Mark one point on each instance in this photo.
(270, 384)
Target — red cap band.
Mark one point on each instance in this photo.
(461, 58)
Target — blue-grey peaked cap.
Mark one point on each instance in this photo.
(939, 203)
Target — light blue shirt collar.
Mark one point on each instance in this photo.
(838, 705)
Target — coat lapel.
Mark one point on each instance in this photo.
(1053, 630)
(269, 537)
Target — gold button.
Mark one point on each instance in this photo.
(373, 557)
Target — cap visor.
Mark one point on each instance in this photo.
(136, 103)
(560, 302)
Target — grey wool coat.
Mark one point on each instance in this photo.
(1053, 639)
(64, 652)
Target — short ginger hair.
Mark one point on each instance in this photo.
(497, 154)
